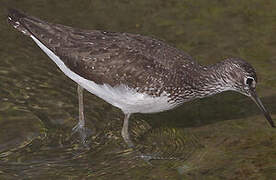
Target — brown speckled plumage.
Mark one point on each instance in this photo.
(112, 58)
(141, 63)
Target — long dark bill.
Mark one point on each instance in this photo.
(257, 100)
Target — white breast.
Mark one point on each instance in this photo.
(121, 96)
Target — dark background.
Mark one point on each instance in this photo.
(221, 137)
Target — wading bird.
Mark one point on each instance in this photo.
(135, 73)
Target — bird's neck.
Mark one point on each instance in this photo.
(212, 80)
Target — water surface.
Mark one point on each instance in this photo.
(221, 137)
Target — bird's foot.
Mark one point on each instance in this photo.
(83, 132)
(129, 143)
(148, 157)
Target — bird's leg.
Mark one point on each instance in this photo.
(125, 133)
(130, 144)
(81, 109)
(80, 127)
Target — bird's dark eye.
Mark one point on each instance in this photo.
(249, 81)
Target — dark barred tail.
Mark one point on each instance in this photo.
(16, 19)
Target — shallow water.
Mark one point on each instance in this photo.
(221, 137)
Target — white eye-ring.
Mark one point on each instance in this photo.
(250, 82)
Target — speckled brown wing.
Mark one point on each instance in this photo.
(113, 58)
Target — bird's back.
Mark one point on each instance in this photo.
(130, 71)
(109, 57)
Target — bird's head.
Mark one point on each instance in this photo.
(242, 78)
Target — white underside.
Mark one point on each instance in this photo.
(123, 97)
